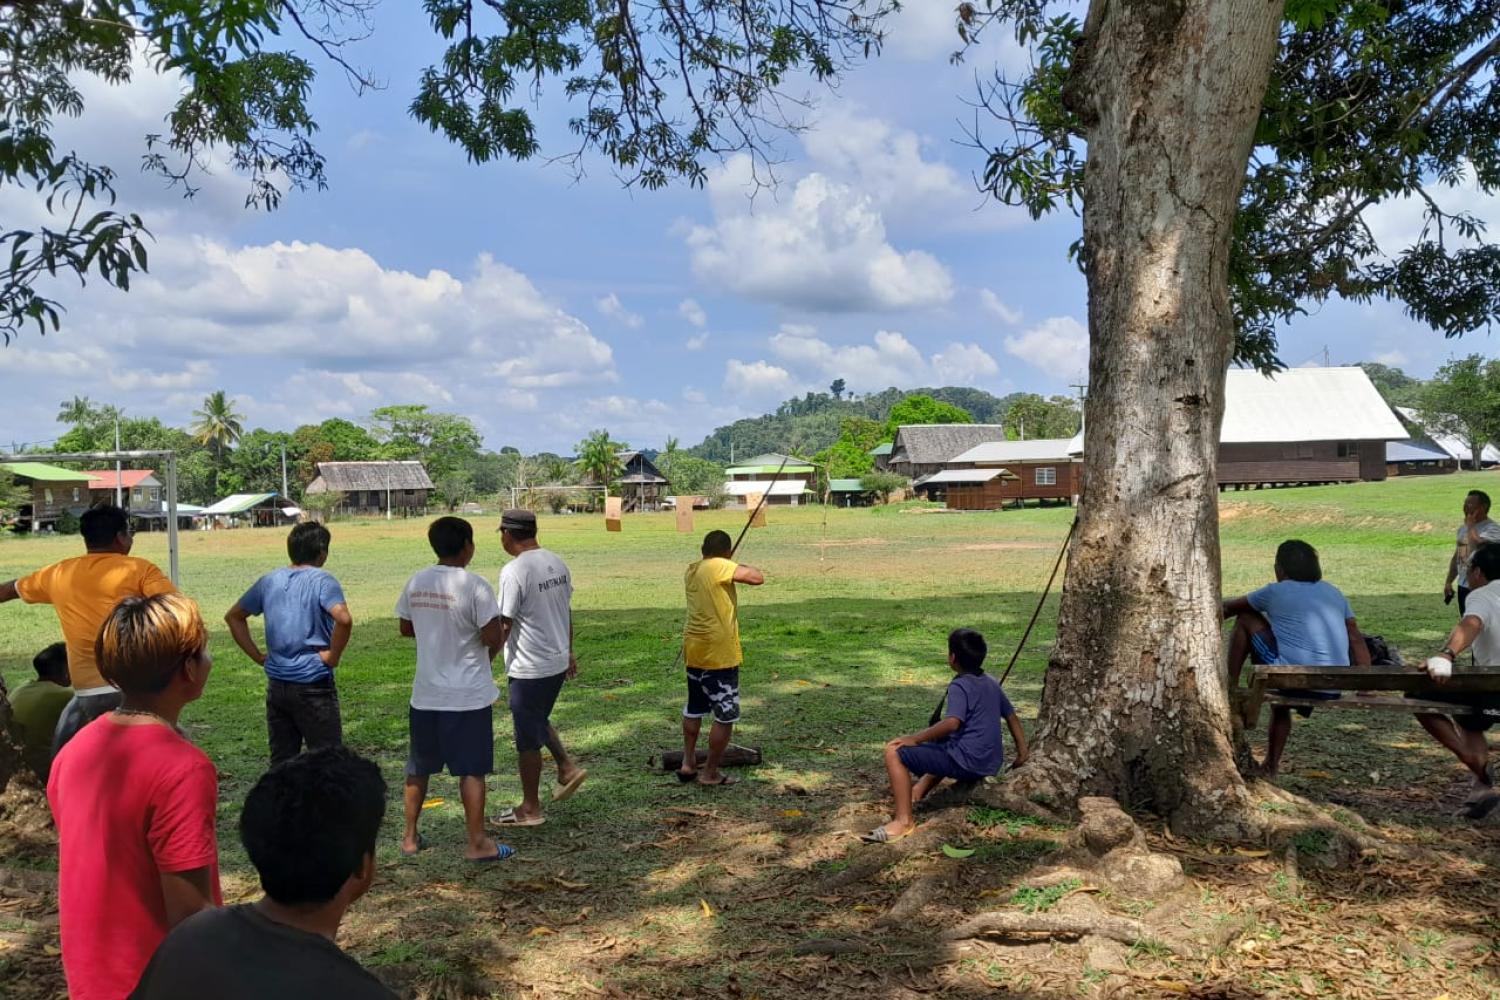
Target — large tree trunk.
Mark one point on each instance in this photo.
(1135, 705)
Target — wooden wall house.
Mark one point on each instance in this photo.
(1042, 470)
(53, 491)
(642, 486)
(1304, 426)
(375, 488)
(1415, 457)
(922, 449)
(140, 491)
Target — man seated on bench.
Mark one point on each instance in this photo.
(1479, 629)
(1299, 620)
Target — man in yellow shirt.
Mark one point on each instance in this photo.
(83, 591)
(711, 649)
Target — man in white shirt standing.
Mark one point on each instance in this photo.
(452, 614)
(1476, 530)
(536, 622)
(1479, 629)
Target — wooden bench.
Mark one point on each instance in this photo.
(1390, 689)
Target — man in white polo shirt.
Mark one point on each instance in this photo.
(536, 618)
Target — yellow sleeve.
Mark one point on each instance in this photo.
(724, 571)
(154, 582)
(37, 588)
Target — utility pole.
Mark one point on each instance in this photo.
(118, 483)
(284, 492)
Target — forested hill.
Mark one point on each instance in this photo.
(808, 425)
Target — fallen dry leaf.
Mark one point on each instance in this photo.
(708, 911)
(541, 932)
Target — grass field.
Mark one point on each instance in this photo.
(638, 887)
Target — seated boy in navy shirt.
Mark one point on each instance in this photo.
(965, 746)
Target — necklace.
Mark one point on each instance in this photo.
(144, 713)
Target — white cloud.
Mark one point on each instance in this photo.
(697, 342)
(1397, 223)
(690, 310)
(1393, 358)
(926, 31)
(963, 364)
(1058, 346)
(758, 379)
(889, 359)
(992, 303)
(612, 308)
(822, 248)
(694, 396)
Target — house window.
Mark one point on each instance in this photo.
(75, 494)
(1348, 449)
(47, 495)
(136, 493)
(1046, 475)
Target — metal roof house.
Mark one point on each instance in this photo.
(375, 487)
(1415, 457)
(140, 490)
(849, 493)
(1455, 447)
(259, 510)
(784, 479)
(1013, 472)
(53, 491)
(922, 449)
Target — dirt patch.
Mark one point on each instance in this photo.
(1000, 546)
(845, 543)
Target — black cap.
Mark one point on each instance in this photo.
(518, 520)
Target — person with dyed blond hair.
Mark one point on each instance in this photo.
(135, 802)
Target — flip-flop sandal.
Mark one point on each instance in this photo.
(566, 791)
(725, 780)
(502, 852)
(421, 846)
(686, 776)
(509, 818)
(1485, 806)
(880, 835)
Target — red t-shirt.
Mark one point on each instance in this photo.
(130, 803)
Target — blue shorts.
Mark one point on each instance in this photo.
(464, 742)
(713, 692)
(928, 758)
(1268, 654)
(531, 701)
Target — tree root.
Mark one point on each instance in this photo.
(1005, 924)
(876, 858)
(922, 890)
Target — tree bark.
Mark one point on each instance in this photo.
(1135, 705)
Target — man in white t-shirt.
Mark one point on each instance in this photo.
(536, 622)
(453, 615)
(1479, 629)
(1476, 530)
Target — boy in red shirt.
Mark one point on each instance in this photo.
(135, 802)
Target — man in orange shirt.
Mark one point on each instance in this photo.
(711, 649)
(83, 591)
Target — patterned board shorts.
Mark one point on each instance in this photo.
(713, 692)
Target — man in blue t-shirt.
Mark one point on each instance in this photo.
(1300, 620)
(307, 627)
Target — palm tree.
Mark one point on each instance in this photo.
(218, 426)
(599, 458)
(76, 411)
(669, 454)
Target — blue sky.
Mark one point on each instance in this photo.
(542, 305)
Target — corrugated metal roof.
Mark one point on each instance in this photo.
(880, 449)
(104, 479)
(44, 473)
(997, 452)
(1306, 404)
(756, 470)
(1455, 447)
(1415, 451)
(238, 503)
(966, 476)
(780, 488)
(846, 486)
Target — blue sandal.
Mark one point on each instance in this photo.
(502, 852)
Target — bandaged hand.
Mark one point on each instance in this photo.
(1440, 668)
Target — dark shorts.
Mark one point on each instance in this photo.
(926, 758)
(713, 692)
(1471, 720)
(531, 701)
(302, 716)
(79, 712)
(1267, 653)
(464, 742)
(1463, 599)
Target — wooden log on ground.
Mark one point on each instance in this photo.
(734, 756)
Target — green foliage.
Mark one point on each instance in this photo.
(238, 98)
(1395, 386)
(920, 408)
(987, 817)
(599, 459)
(218, 426)
(849, 457)
(693, 476)
(883, 484)
(1031, 417)
(1463, 399)
(659, 89)
(66, 524)
(446, 444)
(13, 496)
(255, 464)
(1313, 842)
(1368, 102)
(1039, 900)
